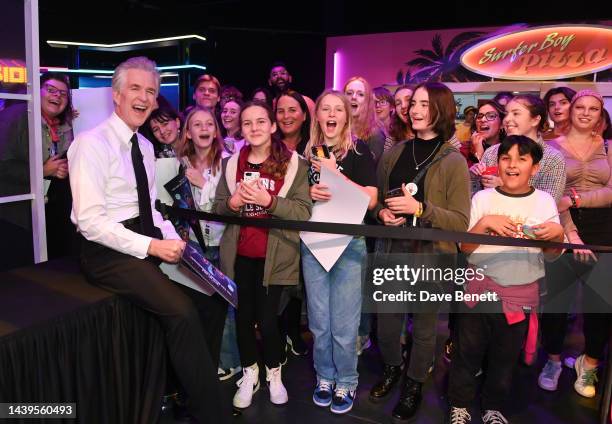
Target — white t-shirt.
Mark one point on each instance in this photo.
(508, 265)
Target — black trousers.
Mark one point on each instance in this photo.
(256, 305)
(562, 279)
(478, 335)
(143, 283)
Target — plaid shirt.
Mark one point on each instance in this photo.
(549, 178)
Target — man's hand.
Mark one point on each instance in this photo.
(55, 167)
(167, 250)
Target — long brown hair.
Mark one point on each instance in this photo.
(186, 147)
(400, 130)
(278, 161)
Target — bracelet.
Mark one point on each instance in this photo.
(575, 198)
(419, 210)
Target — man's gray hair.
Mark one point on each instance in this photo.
(140, 62)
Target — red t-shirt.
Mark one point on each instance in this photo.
(253, 241)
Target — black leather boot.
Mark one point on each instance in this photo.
(409, 401)
(391, 375)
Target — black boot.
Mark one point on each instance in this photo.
(391, 375)
(409, 401)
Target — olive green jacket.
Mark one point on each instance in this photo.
(447, 191)
(282, 266)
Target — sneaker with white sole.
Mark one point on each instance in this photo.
(323, 393)
(459, 416)
(493, 417)
(586, 378)
(226, 374)
(278, 393)
(342, 401)
(549, 377)
(247, 385)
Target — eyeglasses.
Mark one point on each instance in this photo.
(489, 116)
(382, 102)
(55, 91)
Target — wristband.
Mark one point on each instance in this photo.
(575, 198)
(419, 210)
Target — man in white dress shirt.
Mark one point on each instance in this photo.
(121, 248)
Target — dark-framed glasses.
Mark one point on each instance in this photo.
(55, 91)
(489, 116)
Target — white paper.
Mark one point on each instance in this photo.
(165, 170)
(94, 106)
(347, 205)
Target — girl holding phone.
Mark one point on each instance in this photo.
(261, 261)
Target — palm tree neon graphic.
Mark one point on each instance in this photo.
(439, 64)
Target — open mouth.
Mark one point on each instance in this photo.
(331, 125)
(55, 102)
(139, 108)
(483, 128)
(512, 173)
(204, 137)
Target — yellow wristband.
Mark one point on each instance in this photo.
(419, 210)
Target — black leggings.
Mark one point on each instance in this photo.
(256, 305)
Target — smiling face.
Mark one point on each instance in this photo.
(558, 108)
(488, 122)
(518, 120)
(355, 92)
(257, 128)
(332, 118)
(280, 79)
(201, 129)
(419, 114)
(289, 115)
(402, 102)
(586, 113)
(230, 116)
(53, 97)
(206, 94)
(165, 131)
(515, 170)
(136, 98)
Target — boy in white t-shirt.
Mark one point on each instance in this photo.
(498, 330)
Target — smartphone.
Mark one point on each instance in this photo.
(396, 192)
(321, 151)
(250, 176)
(490, 170)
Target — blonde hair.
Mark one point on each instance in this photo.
(186, 148)
(365, 123)
(341, 149)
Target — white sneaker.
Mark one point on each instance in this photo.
(278, 393)
(549, 377)
(247, 385)
(586, 378)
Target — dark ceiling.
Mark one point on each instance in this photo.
(244, 37)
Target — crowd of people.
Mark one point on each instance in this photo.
(517, 166)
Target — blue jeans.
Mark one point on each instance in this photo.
(229, 356)
(334, 310)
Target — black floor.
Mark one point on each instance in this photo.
(528, 403)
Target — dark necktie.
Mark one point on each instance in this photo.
(142, 186)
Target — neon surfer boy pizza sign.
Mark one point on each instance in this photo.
(543, 53)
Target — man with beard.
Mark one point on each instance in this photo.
(280, 81)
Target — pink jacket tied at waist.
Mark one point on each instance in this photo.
(514, 299)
